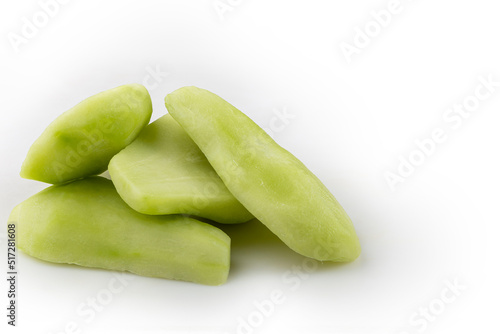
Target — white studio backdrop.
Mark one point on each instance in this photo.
(394, 105)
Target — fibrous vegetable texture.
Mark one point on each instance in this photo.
(270, 182)
(87, 223)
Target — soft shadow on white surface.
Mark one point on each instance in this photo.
(351, 124)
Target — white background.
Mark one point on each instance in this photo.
(351, 123)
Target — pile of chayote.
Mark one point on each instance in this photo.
(204, 160)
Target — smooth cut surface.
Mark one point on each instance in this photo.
(164, 172)
(88, 224)
(82, 141)
(268, 180)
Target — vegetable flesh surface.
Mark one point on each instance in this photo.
(164, 172)
(88, 224)
(269, 181)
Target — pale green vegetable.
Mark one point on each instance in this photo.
(164, 172)
(268, 180)
(88, 224)
(82, 141)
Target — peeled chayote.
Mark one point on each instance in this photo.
(85, 222)
(164, 172)
(82, 141)
(269, 181)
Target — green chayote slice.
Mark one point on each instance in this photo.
(82, 141)
(269, 181)
(87, 223)
(164, 172)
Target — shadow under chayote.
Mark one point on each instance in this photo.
(254, 246)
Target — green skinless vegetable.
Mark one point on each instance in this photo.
(88, 224)
(164, 172)
(269, 181)
(82, 141)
